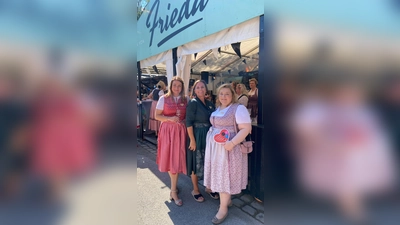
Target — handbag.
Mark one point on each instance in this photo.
(246, 146)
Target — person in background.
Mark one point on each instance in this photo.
(253, 100)
(190, 93)
(225, 166)
(198, 115)
(241, 92)
(234, 84)
(155, 96)
(137, 98)
(13, 136)
(338, 138)
(388, 105)
(208, 96)
(62, 134)
(365, 146)
(171, 148)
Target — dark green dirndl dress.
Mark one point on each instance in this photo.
(198, 116)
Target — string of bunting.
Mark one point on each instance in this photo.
(236, 48)
(155, 69)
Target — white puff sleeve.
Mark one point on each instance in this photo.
(242, 115)
(160, 103)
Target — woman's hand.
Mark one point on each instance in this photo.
(229, 145)
(173, 119)
(192, 145)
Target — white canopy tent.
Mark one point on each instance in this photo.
(207, 49)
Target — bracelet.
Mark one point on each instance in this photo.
(233, 142)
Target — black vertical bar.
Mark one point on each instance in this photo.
(275, 163)
(139, 74)
(175, 59)
(139, 80)
(258, 163)
(261, 71)
(265, 102)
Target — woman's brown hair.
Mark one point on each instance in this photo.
(194, 87)
(182, 94)
(228, 86)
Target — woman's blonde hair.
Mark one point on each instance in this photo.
(182, 94)
(193, 94)
(254, 80)
(162, 84)
(228, 86)
(243, 89)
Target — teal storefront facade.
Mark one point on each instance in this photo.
(167, 27)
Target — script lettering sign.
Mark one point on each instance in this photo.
(158, 24)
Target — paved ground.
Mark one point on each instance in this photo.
(156, 208)
(128, 189)
(105, 197)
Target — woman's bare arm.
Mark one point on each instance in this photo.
(160, 117)
(244, 130)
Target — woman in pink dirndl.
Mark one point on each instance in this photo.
(155, 96)
(63, 139)
(345, 154)
(225, 166)
(171, 151)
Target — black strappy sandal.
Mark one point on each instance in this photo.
(213, 195)
(197, 197)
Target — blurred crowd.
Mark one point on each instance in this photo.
(49, 131)
(343, 128)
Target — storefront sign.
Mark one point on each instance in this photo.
(170, 21)
(167, 24)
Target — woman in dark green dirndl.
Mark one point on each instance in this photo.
(198, 123)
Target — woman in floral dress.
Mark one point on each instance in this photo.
(225, 166)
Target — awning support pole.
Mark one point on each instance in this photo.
(175, 59)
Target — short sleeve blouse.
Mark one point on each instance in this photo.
(160, 103)
(241, 115)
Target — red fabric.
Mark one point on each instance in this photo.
(62, 140)
(153, 123)
(171, 151)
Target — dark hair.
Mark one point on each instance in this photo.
(234, 84)
(194, 87)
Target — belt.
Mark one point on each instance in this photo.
(200, 125)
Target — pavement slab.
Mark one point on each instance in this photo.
(154, 206)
